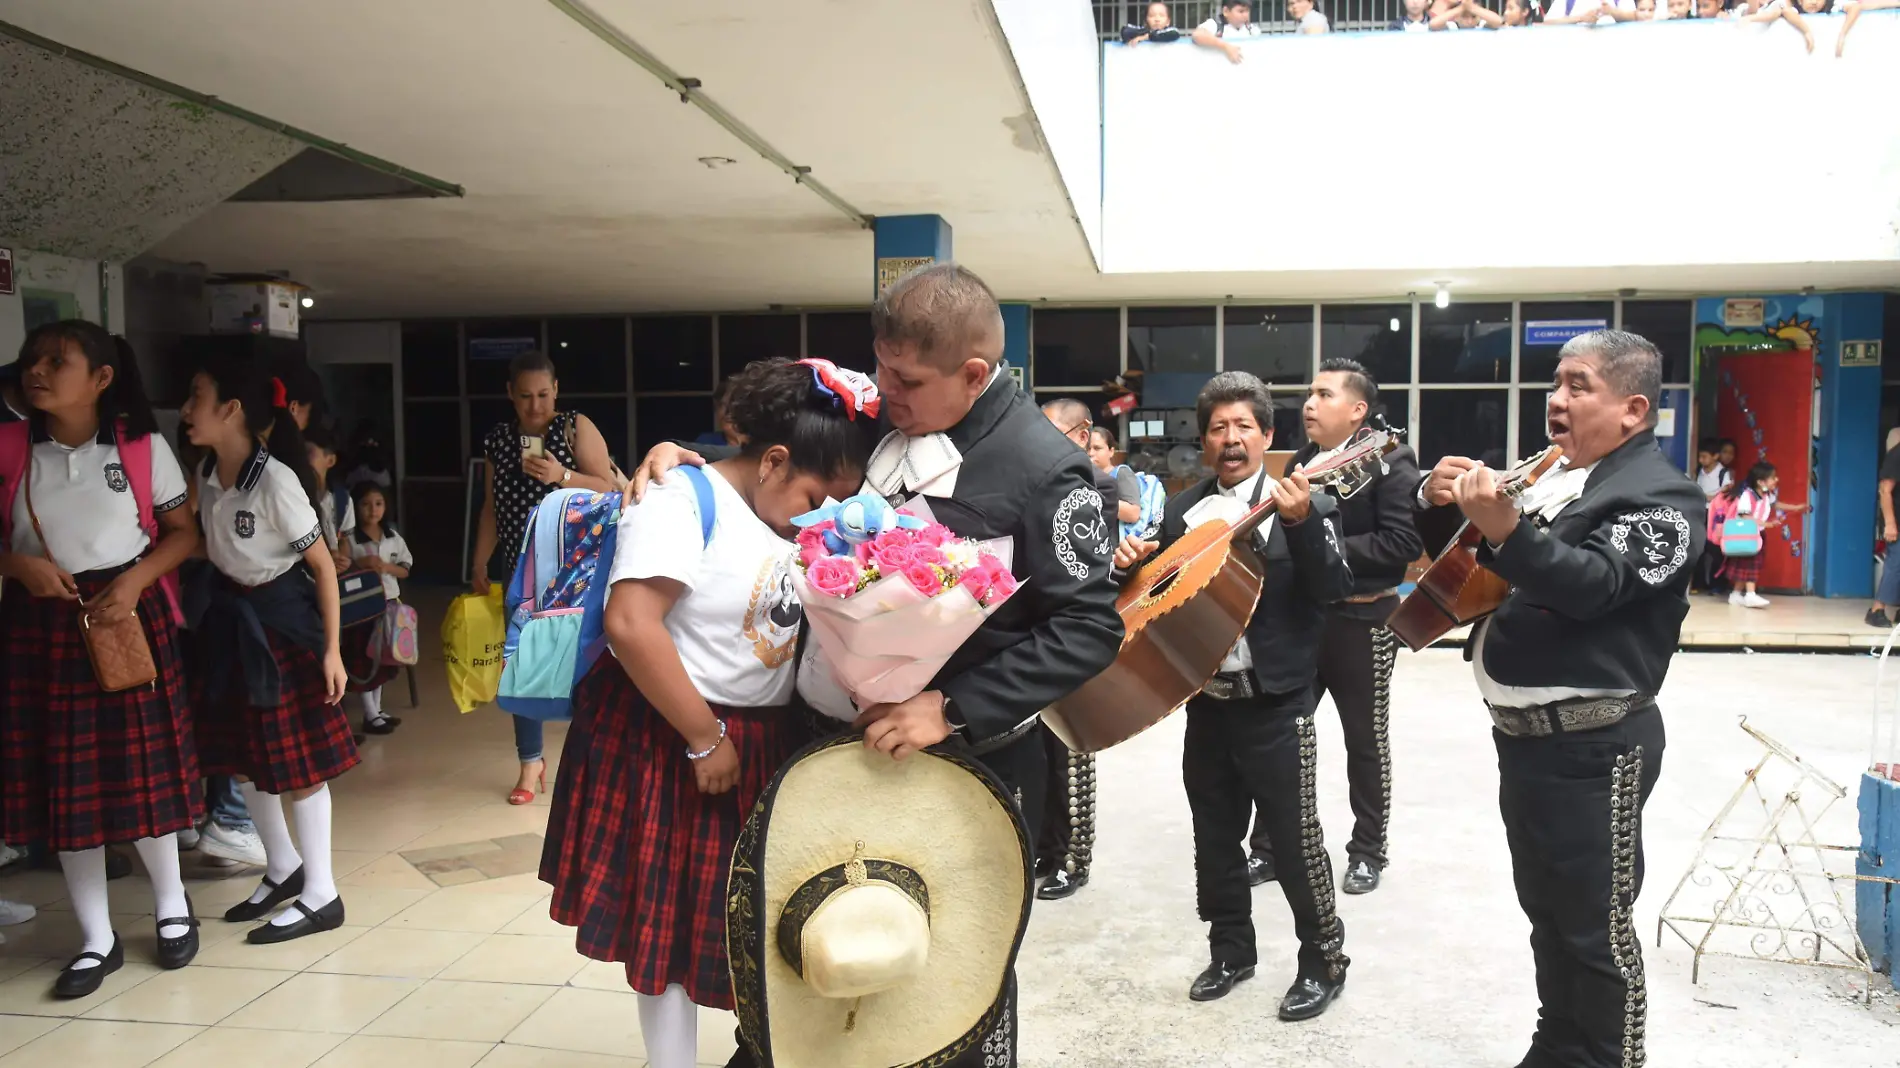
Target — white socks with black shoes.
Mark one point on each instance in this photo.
(319, 874)
(160, 857)
(669, 1025)
(281, 859)
(86, 884)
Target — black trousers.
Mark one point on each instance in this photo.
(1572, 807)
(1243, 753)
(1355, 665)
(1067, 841)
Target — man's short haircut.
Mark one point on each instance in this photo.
(1234, 387)
(1629, 364)
(1068, 413)
(938, 307)
(1357, 378)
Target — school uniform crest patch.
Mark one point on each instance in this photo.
(115, 478)
(246, 524)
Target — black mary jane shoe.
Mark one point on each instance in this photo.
(382, 725)
(327, 918)
(84, 982)
(248, 911)
(1259, 870)
(1218, 981)
(1062, 884)
(175, 953)
(1307, 998)
(1362, 877)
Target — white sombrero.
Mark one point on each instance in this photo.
(875, 909)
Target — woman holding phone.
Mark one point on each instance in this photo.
(540, 450)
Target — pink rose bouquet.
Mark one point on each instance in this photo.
(889, 611)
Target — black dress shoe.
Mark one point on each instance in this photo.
(327, 918)
(84, 982)
(1217, 981)
(1045, 868)
(382, 725)
(175, 953)
(1062, 884)
(1307, 998)
(247, 911)
(1259, 870)
(1362, 877)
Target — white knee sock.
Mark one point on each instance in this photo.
(86, 884)
(372, 704)
(669, 1024)
(280, 853)
(313, 830)
(160, 857)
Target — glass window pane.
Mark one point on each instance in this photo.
(1461, 422)
(1379, 336)
(669, 419)
(1669, 325)
(1533, 432)
(429, 454)
(746, 338)
(1171, 340)
(429, 360)
(1465, 343)
(1543, 339)
(483, 414)
(1275, 343)
(672, 353)
(844, 338)
(1395, 405)
(1289, 428)
(1075, 347)
(492, 344)
(609, 416)
(439, 514)
(589, 354)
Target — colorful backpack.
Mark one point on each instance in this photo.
(556, 601)
(1734, 531)
(399, 645)
(1154, 503)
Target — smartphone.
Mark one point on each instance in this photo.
(533, 447)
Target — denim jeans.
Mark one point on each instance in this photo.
(1889, 592)
(224, 801)
(528, 739)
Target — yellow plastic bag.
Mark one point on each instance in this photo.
(472, 639)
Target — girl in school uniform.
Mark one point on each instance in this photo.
(269, 675)
(375, 546)
(90, 536)
(673, 741)
(1756, 497)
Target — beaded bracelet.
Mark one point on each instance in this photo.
(708, 751)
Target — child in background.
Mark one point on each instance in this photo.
(1754, 497)
(375, 546)
(333, 502)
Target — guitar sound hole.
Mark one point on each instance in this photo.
(1161, 584)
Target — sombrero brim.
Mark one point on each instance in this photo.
(942, 815)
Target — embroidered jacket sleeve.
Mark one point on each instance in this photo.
(1393, 541)
(1640, 542)
(1315, 546)
(1063, 547)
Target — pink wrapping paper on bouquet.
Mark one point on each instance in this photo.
(888, 615)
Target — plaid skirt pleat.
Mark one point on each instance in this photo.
(80, 767)
(362, 651)
(637, 856)
(1742, 568)
(301, 742)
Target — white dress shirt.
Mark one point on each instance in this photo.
(1228, 504)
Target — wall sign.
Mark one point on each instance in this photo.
(1558, 331)
(1742, 311)
(6, 271)
(1860, 354)
(1015, 372)
(891, 268)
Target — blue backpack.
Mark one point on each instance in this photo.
(1154, 503)
(557, 599)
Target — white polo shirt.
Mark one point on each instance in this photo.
(390, 549)
(85, 505)
(333, 531)
(736, 626)
(259, 528)
(1219, 27)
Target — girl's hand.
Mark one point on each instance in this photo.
(718, 772)
(335, 679)
(118, 600)
(42, 579)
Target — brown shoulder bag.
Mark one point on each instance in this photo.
(121, 655)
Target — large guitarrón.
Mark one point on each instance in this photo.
(1184, 610)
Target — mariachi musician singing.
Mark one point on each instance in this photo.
(1356, 651)
(1250, 730)
(1569, 665)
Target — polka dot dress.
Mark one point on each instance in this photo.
(516, 493)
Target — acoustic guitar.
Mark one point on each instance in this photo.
(1183, 611)
(1456, 589)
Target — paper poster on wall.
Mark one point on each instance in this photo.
(1740, 312)
(6, 271)
(1666, 423)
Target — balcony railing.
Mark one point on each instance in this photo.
(1270, 15)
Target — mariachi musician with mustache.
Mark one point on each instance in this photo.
(1250, 731)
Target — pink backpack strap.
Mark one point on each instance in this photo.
(135, 455)
(16, 446)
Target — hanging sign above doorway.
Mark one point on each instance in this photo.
(1738, 312)
(1558, 331)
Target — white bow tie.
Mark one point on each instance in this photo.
(902, 465)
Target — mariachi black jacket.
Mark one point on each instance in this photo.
(1597, 601)
(1378, 529)
(1305, 572)
(1021, 479)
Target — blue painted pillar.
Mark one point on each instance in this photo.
(1847, 452)
(1016, 342)
(1877, 905)
(903, 243)
(1678, 446)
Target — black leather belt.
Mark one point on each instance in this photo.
(1567, 717)
(1230, 686)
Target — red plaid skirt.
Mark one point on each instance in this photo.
(637, 856)
(1740, 569)
(301, 742)
(361, 661)
(80, 767)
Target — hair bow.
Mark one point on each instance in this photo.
(851, 390)
(279, 397)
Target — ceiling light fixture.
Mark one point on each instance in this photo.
(1443, 299)
(1395, 324)
(309, 302)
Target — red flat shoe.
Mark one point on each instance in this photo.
(519, 796)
